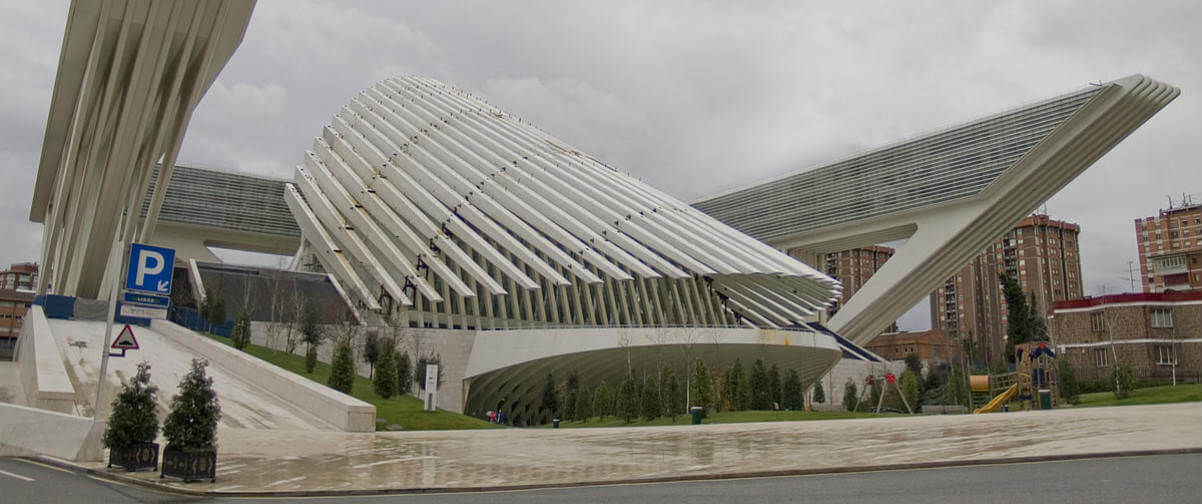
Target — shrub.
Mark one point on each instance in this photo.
(385, 381)
(569, 405)
(241, 333)
(342, 367)
(650, 405)
(791, 395)
(404, 374)
(1123, 379)
(550, 400)
(736, 390)
(759, 387)
(627, 403)
(1070, 390)
(849, 395)
(819, 393)
(133, 420)
(603, 401)
(909, 388)
(774, 387)
(701, 388)
(582, 409)
(669, 389)
(192, 423)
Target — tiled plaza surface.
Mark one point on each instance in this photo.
(298, 461)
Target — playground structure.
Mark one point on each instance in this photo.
(1034, 377)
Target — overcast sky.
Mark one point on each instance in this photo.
(692, 97)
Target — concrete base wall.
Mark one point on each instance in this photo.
(47, 384)
(26, 431)
(834, 382)
(341, 410)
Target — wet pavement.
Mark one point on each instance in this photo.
(295, 461)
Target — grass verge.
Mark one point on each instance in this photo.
(405, 410)
(1149, 395)
(727, 417)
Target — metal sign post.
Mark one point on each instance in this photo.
(146, 269)
(114, 260)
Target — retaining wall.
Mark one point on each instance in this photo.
(340, 410)
(26, 431)
(43, 375)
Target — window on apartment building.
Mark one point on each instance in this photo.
(1161, 317)
(1099, 356)
(1097, 321)
(1165, 355)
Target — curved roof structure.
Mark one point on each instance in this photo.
(419, 194)
(951, 193)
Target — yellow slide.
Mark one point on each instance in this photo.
(998, 401)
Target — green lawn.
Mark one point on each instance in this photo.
(728, 417)
(405, 411)
(1149, 395)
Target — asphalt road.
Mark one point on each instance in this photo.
(1166, 478)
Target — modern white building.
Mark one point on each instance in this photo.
(436, 211)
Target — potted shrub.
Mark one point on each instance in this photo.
(191, 428)
(133, 426)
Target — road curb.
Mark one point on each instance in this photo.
(121, 477)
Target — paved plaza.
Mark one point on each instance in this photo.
(253, 461)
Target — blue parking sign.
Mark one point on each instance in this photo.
(150, 269)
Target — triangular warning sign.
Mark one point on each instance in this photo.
(126, 340)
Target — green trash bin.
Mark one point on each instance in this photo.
(554, 423)
(696, 411)
(1045, 399)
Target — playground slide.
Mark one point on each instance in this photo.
(998, 401)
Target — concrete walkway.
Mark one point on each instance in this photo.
(252, 461)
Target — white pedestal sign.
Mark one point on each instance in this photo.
(431, 388)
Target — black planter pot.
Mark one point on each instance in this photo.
(134, 457)
(190, 465)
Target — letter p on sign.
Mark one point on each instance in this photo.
(150, 269)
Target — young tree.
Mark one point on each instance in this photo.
(627, 401)
(550, 398)
(670, 390)
(582, 409)
(342, 367)
(241, 333)
(1018, 314)
(909, 388)
(760, 390)
(875, 391)
(1070, 390)
(819, 393)
(650, 405)
(192, 423)
(774, 385)
(569, 405)
(133, 420)
(736, 390)
(1123, 379)
(216, 309)
(701, 388)
(850, 401)
(371, 353)
(311, 335)
(385, 379)
(791, 398)
(1039, 327)
(404, 373)
(603, 401)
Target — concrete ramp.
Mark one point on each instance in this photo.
(244, 404)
